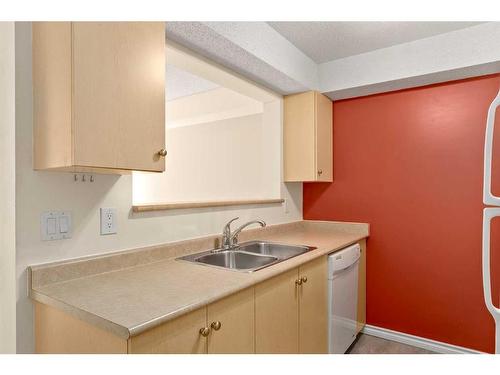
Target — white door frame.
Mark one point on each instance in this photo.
(7, 190)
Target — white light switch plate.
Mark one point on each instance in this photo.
(55, 225)
(108, 221)
(65, 224)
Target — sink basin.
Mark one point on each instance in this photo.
(236, 260)
(280, 251)
(249, 256)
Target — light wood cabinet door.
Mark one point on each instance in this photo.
(308, 137)
(57, 332)
(118, 94)
(299, 137)
(276, 314)
(362, 288)
(232, 324)
(324, 137)
(99, 96)
(313, 307)
(52, 71)
(179, 336)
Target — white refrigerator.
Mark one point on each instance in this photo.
(488, 214)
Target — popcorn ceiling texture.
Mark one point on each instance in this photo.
(326, 41)
(205, 41)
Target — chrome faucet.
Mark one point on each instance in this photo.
(230, 240)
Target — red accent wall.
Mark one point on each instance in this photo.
(410, 163)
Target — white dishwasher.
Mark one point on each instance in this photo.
(342, 298)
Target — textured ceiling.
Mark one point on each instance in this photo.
(246, 50)
(326, 41)
(181, 83)
(202, 39)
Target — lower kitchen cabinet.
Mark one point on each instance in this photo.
(231, 322)
(225, 326)
(362, 288)
(291, 311)
(285, 314)
(277, 314)
(313, 307)
(57, 332)
(181, 335)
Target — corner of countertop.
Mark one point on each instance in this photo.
(83, 315)
(345, 226)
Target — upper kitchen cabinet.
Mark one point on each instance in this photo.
(308, 137)
(99, 96)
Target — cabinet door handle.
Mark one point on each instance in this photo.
(205, 331)
(162, 153)
(304, 279)
(216, 325)
(320, 172)
(298, 282)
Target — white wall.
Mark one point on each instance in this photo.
(223, 144)
(39, 191)
(7, 190)
(219, 160)
(219, 148)
(217, 104)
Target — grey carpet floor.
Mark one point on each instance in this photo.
(366, 344)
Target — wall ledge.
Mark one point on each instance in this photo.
(202, 204)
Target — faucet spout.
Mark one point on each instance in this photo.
(234, 236)
(230, 240)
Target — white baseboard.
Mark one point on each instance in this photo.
(419, 342)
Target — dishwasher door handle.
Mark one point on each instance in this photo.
(347, 267)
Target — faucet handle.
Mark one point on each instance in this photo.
(226, 234)
(227, 227)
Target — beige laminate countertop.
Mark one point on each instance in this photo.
(132, 291)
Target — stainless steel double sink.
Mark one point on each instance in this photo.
(249, 256)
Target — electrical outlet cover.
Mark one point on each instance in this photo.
(108, 221)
